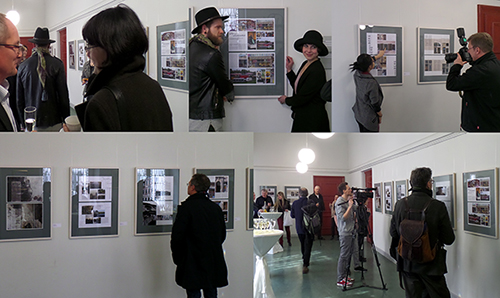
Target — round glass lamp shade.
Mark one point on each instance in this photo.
(14, 17)
(306, 155)
(323, 135)
(301, 167)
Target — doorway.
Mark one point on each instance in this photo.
(328, 185)
(62, 48)
(488, 20)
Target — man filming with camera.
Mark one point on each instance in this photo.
(480, 85)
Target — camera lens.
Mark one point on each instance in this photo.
(450, 57)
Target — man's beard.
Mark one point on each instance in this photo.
(215, 39)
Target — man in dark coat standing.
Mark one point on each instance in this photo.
(424, 279)
(317, 198)
(41, 82)
(264, 201)
(306, 239)
(197, 236)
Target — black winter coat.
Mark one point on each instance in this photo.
(197, 236)
(308, 108)
(143, 106)
(481, 97)
(439, 226)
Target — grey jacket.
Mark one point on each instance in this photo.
(369, 99)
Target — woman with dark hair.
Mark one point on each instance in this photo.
(308, 109)
(369, 96)
(120, 96)
(283, 205)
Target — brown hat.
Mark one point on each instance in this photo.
(206, 15)
(312, 37)
(41, 37)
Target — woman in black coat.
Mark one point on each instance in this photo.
(120, 96)
(308, 109)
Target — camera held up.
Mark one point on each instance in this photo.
(464, 54)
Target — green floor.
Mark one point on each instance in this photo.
(289, 282)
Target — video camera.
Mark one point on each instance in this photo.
(464, 54)
(362, 194)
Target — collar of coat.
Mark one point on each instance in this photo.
(424, 190)
(487, 56)
(203, 39)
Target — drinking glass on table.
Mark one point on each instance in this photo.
(30, 118)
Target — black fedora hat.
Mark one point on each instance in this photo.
(206, 15)
(41, 36)
(312, 37)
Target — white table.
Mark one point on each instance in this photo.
(273, 216)
(263, 241)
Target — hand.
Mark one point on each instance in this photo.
(269, 204)
(379, 114)
(380, 54)
(282, 99)
(317, 204)
(459, 60)
(224, 98)
(351, 201)
(289, 63)
(65, 128)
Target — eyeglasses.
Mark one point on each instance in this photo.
(89, 47)
(472, 47)
(16, 47)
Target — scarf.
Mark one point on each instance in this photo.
(203, 39)
(302, 72)
(41, 69)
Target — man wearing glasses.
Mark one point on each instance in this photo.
(480, 85)
(9, 55)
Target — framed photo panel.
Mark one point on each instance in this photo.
(433, 45)
(157, 198)
(401, 190)
(72, 53)
(292, 193)
(25, 212)
(481, 203)
(172, 54)
(94, 203)
(388, 197)
(82, 55)
(372, 39)
(221, 191)
(445, 191)
(377, 197)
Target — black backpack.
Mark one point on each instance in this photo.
(312, 220)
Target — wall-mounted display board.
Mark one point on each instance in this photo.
(372, 39)
(388, 201)
(272, 191)
(221, 191)
(172, 54)
(378, 197)
(82, 55)
(94, 202)
(481, 203)
(444, 191)
(157, 198)
(25, 212)
(254, 51)
(72, 52)
(250, 194)
(401, 190)
(292, 193)
(433, 45)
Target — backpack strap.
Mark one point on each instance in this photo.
(408, 210)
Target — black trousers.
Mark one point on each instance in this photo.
(425, 286)
(306, 243)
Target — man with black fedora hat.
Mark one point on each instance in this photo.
(209, 85)
(41, 82)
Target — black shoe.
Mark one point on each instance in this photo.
(359, 269)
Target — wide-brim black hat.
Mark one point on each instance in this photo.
(206, 15)
(312, 37)
(41, 37)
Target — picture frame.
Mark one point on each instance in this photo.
(372, 38)
(432, 46)
(72, 52)
(94, 202)
(172, 55)
(401, 190)
(272, 191)
(377, 197)
(221, 191)
(25, 213)
(480, 201)
(157, 199)
(82, 54)
(444, 190)
(250, 198)
(388, 197)
(292, 193)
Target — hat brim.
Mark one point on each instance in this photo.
(322, 49)
(41, 41)
(195, 30)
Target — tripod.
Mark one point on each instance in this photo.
(375, 257)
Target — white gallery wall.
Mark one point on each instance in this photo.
(127, 265)
(410, 107)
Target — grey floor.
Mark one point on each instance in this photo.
(289, 282)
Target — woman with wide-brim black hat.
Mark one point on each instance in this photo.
(308, 109)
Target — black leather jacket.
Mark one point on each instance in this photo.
(208, 82)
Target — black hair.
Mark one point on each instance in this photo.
(200, 182)
(342, 186)
(119, 32)
(419, 177)
(362, 63)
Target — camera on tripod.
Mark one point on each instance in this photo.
(361, 195)
(464, 54)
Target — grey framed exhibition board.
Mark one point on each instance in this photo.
(254, 51)
(72, 53)
(94, 202)
(388, 69)
(25, 212)
(378, 197)
(292, 193)
(433, 45)
(481, 203)
(172, 52)
(444, 190)
(388, 200)
(250, 198)
(82, 54)
(401, 190)
(157, 198)
(221, 191)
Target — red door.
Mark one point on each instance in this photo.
(368, 184)
(62, 48)
(29, 45)
(329, 185)
(488, 20)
